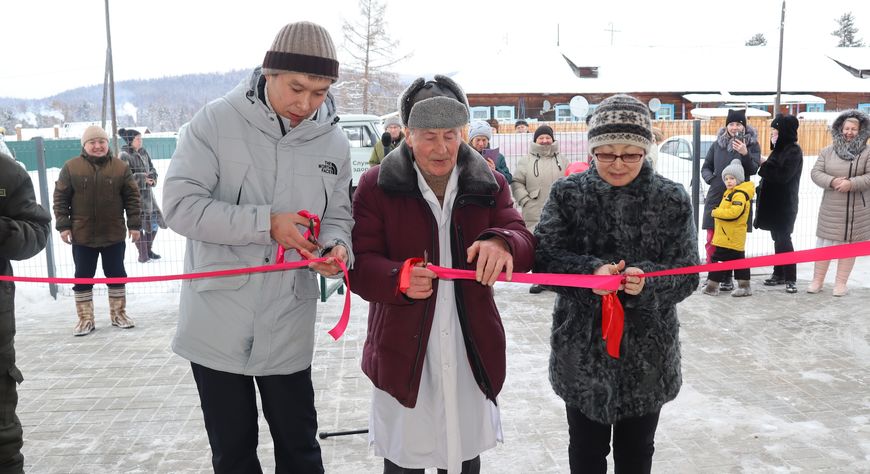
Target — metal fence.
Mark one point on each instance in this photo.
(574, 146)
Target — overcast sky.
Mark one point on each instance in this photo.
(49, 46)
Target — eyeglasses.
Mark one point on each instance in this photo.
(626, 157)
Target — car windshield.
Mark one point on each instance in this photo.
(705, 147)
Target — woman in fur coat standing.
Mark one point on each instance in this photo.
(619, 211)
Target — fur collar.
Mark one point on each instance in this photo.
(397, 173)
(850, 150)
(723, 138)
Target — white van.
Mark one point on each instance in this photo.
(363, 132)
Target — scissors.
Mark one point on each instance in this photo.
(312, 237)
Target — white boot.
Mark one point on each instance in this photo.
(820, 269)
(743, 289)
(844, 268)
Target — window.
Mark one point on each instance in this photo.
(358, 136)
(815, 107)
(563, 113)
(480, 113)
(665, 112)
(864, 108)
(504, 112)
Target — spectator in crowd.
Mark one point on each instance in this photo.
(435, 351)
(521, 126)
(221, 193)
(729, 237)
(777, 194)
(24, 229)
(389, 140)
(843, 171)
(136, 156)
(535, 174)
(735, 140)
(493, 123)
(479, 137)
(590, 220)
(91, 195)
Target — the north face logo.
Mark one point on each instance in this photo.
(329, 167)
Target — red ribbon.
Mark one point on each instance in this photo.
(405, 275)
(612, 322)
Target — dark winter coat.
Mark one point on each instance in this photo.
(90, 197)
(587, 223)
(24, 228)
(777, 193)
(142, 169)
(718, 157)
(394, 223)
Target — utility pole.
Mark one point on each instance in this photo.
(110, 78)
(611, 30)
(779, 69)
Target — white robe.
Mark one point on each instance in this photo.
(452, 421)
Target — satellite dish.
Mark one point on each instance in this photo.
(655, 104)
(579, 106)
(547, 106)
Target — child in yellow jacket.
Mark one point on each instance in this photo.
(729, 234)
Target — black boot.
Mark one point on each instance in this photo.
(535, 289)
(726, 285)
(790, 287)
(774, 280)
(142, 247)
(151, 237)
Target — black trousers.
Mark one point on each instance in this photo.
(11, 435)
(229, 407)
(589, 443)
(782, 244)
(472, 466)
(721, 254)
(85, 259)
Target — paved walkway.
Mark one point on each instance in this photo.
(772, 383)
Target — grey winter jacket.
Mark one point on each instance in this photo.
(718, 157)
(845, 217)
(585, 224)
(142, 169)
(232, 170)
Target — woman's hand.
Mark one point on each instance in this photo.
(609, 269)
(634, 280)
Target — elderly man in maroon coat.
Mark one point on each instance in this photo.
(436, 352)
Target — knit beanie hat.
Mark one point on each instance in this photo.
(393, 120)
(479, 128)
(94, 131)
(129, 134)
(521, 122)
(302, 47)
(439, 103)
(543, 130)
(620, 119)
(736, 116)
(734, 169)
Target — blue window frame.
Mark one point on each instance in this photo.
(865, 107)
(815, 107)
(504, 112)
(665, 112)
(480, 113)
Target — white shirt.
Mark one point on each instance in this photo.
(452, 421)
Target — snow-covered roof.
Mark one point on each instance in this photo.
(744, 69)
(726, 98)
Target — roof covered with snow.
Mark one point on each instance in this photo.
(665, 69)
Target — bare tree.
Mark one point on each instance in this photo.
(847, 32)
(757, 40)
(372, 52)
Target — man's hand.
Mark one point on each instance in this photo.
(493, 255)
(421, 282)
(66, 236)
(134, 236)
(609, 269)
(285, 232)
(634, 280)
(330, 267)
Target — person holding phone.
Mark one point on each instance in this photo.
(479, 137)
(736, 140)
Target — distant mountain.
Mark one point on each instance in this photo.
(164, 104)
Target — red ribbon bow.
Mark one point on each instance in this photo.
(612, 322)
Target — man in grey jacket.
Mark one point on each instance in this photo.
(245, 166)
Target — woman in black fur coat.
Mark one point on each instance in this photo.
(618, 211)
